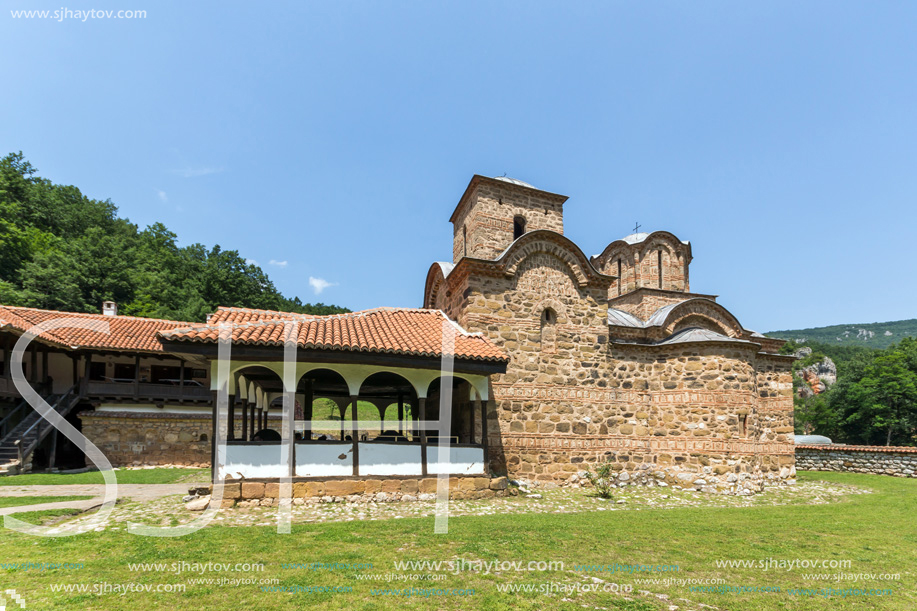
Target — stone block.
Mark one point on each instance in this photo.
(230, 491)
(314, 489)
(499, 483)
(344, 487)
(252, 490)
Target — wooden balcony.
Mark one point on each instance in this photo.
(144, 391)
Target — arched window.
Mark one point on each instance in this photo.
(548, 330)
(518, 227)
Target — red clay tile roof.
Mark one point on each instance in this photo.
(394, 330)
(125, 332)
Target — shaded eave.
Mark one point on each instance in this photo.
(259, 352)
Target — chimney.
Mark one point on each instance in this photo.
(109, 308)
(209, 316)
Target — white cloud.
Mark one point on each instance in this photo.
(320, 284)
(278, 263)
(251, 262)
(190, 172)
(162, 196)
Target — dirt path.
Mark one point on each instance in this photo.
(136, 492)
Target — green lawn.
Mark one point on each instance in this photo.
(876, 532)
(18, 501)
(48, 516)
(125, 476)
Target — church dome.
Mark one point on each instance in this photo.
(635, 238)
(515, 181)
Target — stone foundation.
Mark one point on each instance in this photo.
(135, 439)
(879, 460)
(250, 493)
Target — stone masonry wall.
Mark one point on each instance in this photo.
(639, 266)
(267, 492)
(487, 218)
(150, 439)
(714, 416)
(880, 460)
(645, 302)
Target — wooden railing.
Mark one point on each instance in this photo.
(147, 391)
(42, 427)
(13, 418)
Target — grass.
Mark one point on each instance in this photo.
(876, 532)
(18, 501)
(47, 516)
(125, 476)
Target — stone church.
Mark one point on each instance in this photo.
(612, 357)
(561, 362)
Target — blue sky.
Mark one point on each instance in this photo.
(332, 140)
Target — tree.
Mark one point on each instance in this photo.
(60, 249)
(884, 401)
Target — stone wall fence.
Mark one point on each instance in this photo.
(880, 460)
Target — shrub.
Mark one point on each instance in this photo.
(602, 480)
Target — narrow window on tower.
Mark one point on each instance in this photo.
(660, 268)
(743, 420)
(465, 240)
(518, 227)
(620, 279)
(548, 330)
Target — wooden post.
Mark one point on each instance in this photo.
(6, 357)
(244, 420)
(342, 410)
(33, 373)
(213, 439)
(231, 416)
(400, 413)
(307, 399)
(251, 423)
(74, 360)
(137, 378)
(52, 458)
(423, 436)
(472, 407)
(181, 383)
(84, 385)
(484, 443)
(355, 432)
(44, 369)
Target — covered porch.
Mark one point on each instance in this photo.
(389, 392)
(353, 420)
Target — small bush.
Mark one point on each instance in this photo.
(602, 480)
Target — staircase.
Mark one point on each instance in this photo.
(17, 445)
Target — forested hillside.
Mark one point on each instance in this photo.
(870, 335)
(874, 400)
(62, 250)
